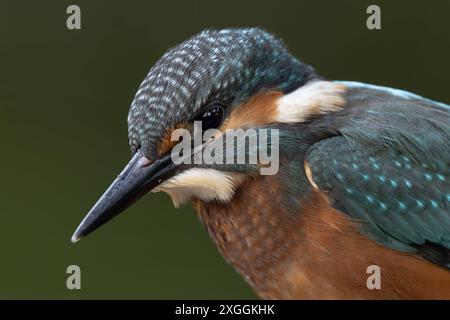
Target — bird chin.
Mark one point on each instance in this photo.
(203, 184)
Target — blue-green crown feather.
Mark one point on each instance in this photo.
(225, 66)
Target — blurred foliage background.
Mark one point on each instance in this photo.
(64, 98)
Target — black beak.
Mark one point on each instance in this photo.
(138, 177)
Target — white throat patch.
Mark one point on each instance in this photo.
(204, 184)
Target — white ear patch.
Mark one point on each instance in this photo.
(204, 184)
(317, 97)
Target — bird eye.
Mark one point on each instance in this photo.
(213, 118)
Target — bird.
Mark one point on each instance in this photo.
(363, 178)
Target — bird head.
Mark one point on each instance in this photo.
(223, 79)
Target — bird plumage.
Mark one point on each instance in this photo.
(388, 166)
(311, 251)
(363, 171)
(226, 66)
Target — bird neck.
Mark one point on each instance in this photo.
(260, 231)
(254, 231)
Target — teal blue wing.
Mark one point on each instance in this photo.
(393, 176)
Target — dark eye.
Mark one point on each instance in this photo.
(213, 118)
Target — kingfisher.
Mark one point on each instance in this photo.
(363, 177)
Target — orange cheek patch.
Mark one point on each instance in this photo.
(258, 110)
(166, 143)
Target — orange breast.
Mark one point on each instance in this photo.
(317, 252)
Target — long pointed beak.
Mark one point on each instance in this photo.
(138, 177)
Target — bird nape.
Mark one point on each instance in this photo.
(361, 176)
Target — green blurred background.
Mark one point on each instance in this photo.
(64, 98)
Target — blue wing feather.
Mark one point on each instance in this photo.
(389, 168)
